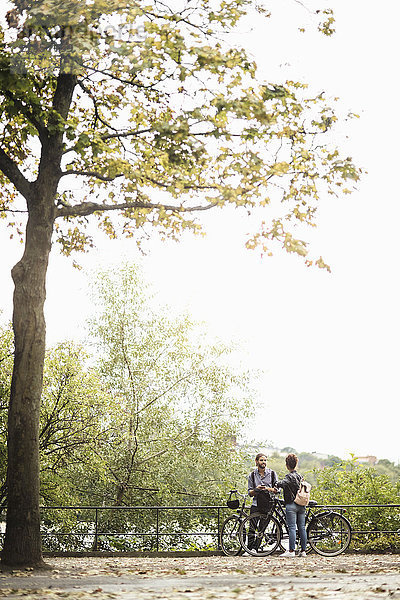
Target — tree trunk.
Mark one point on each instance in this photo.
(22, 544)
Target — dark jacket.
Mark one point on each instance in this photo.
(290, 485)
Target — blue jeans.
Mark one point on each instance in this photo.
(296, 514)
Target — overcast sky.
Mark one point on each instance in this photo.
(328, 343)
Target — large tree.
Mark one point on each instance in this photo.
(152, 115)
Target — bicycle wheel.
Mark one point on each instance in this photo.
(260, 534)
(329, 534)
(229, 536)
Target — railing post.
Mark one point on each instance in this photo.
(218, 525)
(96, 530)
(157, 530)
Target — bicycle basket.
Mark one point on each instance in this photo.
(232, 503)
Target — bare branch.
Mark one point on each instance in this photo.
(91, 174)
(126, 134)
(97, 115)
(88, 208)
(165, 392)
(164, 451)
(185, 187)
(13, 211)
(131, 82)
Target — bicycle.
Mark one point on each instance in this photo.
(261, 534)
(229, 534)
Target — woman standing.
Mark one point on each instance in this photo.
(295, 514)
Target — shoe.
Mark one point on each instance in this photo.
(288, 554)
(303, 554)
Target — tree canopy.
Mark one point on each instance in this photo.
(157, 115)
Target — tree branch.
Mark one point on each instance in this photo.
(165, 392)
(185, 187)
(164, 451)
(62, 98)
(88, 208)
(13, 211)
(97, 115)
(154, 181)
(126, 134)
(91, 174)
(24, 109)
(131, 82)
(10, 170)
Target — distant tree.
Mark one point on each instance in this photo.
(387, 467)
(73, 408)
(309, 463)
(176, 403)
(333, 460)
(156, 119)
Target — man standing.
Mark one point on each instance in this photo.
(260, 480)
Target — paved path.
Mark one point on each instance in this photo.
(241, 578)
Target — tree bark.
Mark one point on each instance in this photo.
(22, 544)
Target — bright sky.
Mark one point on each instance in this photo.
(328, 343)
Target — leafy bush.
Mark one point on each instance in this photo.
(351, 483)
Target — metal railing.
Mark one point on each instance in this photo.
(131, 528)
(156, 528)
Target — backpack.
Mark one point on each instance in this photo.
(302, 497)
